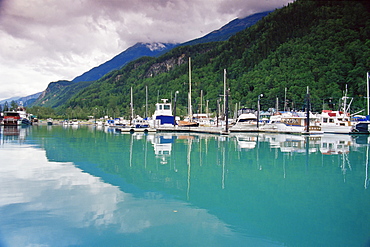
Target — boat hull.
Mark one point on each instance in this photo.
(361, 128)
(169, 120)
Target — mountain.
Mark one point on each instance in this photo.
(117, 62)
(323, 45)
(28, 100)
(58, 92)
(225, 32)
(25, 101)
(155, 49)
(137, 51)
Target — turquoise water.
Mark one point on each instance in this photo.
(68, 186)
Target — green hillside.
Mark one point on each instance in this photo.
(321, 44)
(58, 93)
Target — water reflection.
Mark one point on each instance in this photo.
(45, 203)
(12, 133)
(182, 189)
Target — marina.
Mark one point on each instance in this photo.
(143, 124)
(86, 185)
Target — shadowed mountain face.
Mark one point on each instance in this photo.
(132, 53)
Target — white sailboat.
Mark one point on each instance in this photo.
(188, 121)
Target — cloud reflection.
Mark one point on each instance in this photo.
(46, 201)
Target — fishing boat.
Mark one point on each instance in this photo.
(336, 122)
(163, 115)
(340, 122)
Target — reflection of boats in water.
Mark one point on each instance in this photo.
(11, 131)
(163, 146)
(246, 142)
(18, 117)
(288, 143)
(335, 144)
(14, 132)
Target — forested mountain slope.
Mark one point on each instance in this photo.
(155, 49)
(54, 95)
(321, 44)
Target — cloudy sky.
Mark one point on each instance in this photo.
(49, 40)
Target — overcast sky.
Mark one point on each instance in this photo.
(49, 40)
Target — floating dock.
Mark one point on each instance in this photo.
(133, 130)
(206, 130)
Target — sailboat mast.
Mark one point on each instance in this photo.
(201, 101)
(285, 100)
(224, 110)
(367, 96)
(132, 106)
(190, 113)
(308, 111)
(146, 101)
(345, 102)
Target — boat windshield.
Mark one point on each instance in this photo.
(11, 114)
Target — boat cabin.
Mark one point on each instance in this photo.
(163, 113)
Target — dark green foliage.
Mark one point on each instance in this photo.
(13, 105)
(323, 45)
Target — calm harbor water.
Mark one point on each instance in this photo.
(84, 186)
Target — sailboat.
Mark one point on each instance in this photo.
(188, 121)
(137, 124)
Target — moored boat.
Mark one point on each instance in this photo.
(336, 122)
(163, 115)
(187, 123)
(292, 123)
(49, 121)
(11, 118)
(246, 121)
(15, 118)
(340, 122)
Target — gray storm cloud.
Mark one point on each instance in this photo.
(43, 41)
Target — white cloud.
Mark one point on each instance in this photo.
(43, 41)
